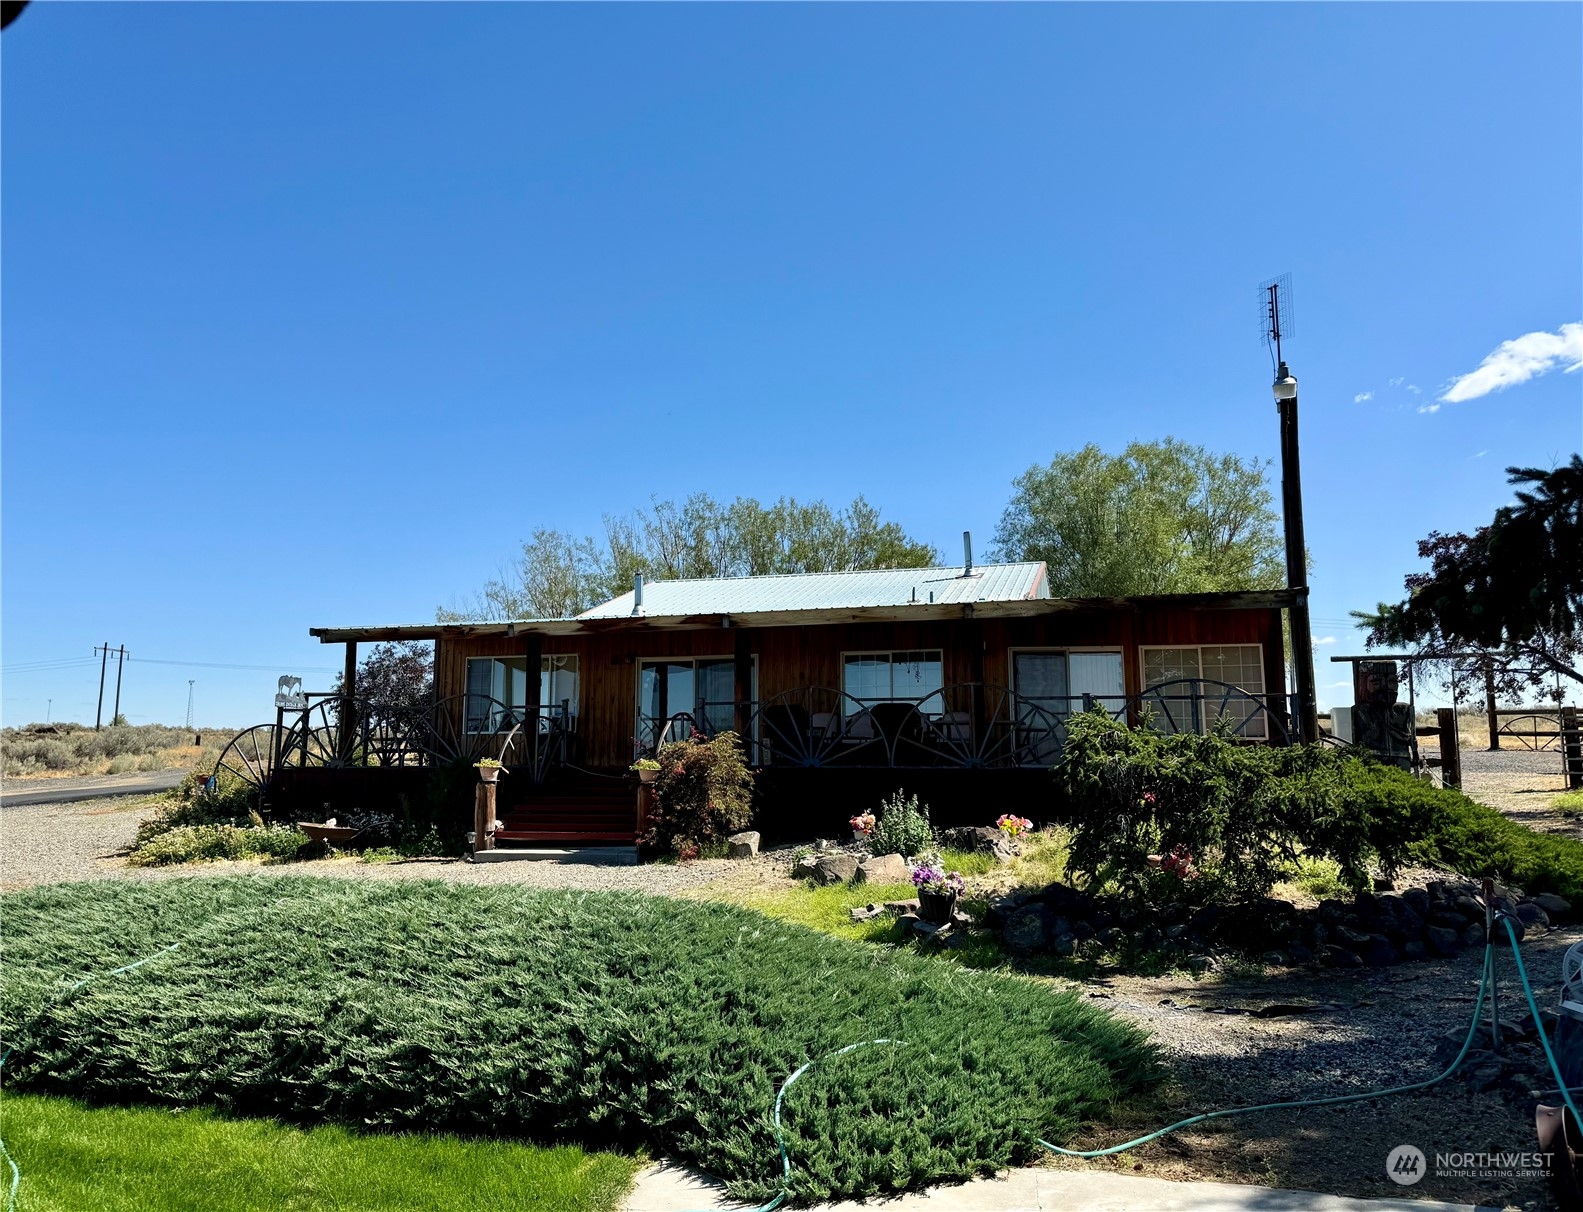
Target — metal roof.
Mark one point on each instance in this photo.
(831, 591)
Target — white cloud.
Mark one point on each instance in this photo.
(1324, 639)
(1519, 360)
(1398, 382)
(1415, 389)
(1429, 408)
(1363, 397)
(1336, 685)
(1480, 455)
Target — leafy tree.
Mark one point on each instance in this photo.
(559, 574)
(398, 674)
(1161, 517)
(1512, 590)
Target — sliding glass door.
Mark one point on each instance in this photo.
(685, 695)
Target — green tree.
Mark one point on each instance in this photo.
(1512, 590)
(1161, 517)
(559, 574)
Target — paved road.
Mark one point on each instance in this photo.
(67, 791)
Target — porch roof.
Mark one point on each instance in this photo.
(712, 615)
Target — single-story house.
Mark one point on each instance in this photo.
(955, 682)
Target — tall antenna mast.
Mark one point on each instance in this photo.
(1275, 314)
(190, 681)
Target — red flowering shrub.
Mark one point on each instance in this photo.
(703, 795)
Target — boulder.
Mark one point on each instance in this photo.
(1468, 907)
(883, 869)
(1200, 963)
(1473, 934)
(1555, 906)
(865, 913)
(900, 908)
(1339, 957)
(1414, 949)
(806, 868)
(981, 839)
(1419, 900)
(834, 867)
(1530, 914)
(1063, 944)
(1378, 952)
(1027, 929)
(1444, 941)
(742, 845)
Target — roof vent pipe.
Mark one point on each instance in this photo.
(967, 553)
(637, 593)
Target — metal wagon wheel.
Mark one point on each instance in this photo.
(253, 756)
(465, 728)
(1207, 703)
(1526, 731)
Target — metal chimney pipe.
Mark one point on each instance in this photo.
(967, 553)
(637, 593)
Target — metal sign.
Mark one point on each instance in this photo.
(288, 694)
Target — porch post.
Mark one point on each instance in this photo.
(742, 690)
(346, 734)
(533, 654)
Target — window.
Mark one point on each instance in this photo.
(1049, 685)
(497, 691)
(892, 677)
(697, 693)
(1179, 674)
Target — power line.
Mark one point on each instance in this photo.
(220, 665)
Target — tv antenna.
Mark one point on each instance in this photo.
(1276, 319)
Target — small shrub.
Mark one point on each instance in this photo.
(903, 828)
(123, 763)
(702, 796)
(54, 755)
(151, 761)
(1568, 803)
(206, 843)
(229, 802)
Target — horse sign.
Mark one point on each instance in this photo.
(288, 694)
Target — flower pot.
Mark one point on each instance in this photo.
(648, 776)
(489, 774)
(936, 907)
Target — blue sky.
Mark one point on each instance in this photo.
(313, 312)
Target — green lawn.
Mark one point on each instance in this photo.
(75, 1158)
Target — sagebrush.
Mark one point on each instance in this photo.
(902, 827)
(606, 1019)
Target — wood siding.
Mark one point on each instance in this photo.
(789, 658)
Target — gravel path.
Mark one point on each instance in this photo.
(52, 843)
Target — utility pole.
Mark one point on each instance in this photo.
(98, 715)
(120, 661)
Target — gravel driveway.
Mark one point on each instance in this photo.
(51, 843)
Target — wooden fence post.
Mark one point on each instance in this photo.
(1491, 713)
(1572, 747)
(483, 817)
(1450, 747)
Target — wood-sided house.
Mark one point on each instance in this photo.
(955, 682)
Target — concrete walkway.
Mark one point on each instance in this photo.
(672, 1188)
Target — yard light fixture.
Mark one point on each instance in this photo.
(1285, 387)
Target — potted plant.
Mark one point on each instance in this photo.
(488, 769)
(862, 826)
(647, 769)
(937, 890)
(1014, 826)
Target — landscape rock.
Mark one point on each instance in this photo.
(1027, 929)
(883, 869)
(1555, 906)
(834, 867)
(865, 913)
(1339, 957)
(1063, 944)
(1444, 941)
(1378, 952)
(1531, 914)
(742, 845)
(1200, 963)
(898, 908)
(981, 839)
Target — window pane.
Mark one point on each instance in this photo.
(1242, 666)
(558, 683)
(717, 696)
(867, 677)
(1099, 674)
(1040, 677)
(480, 672)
